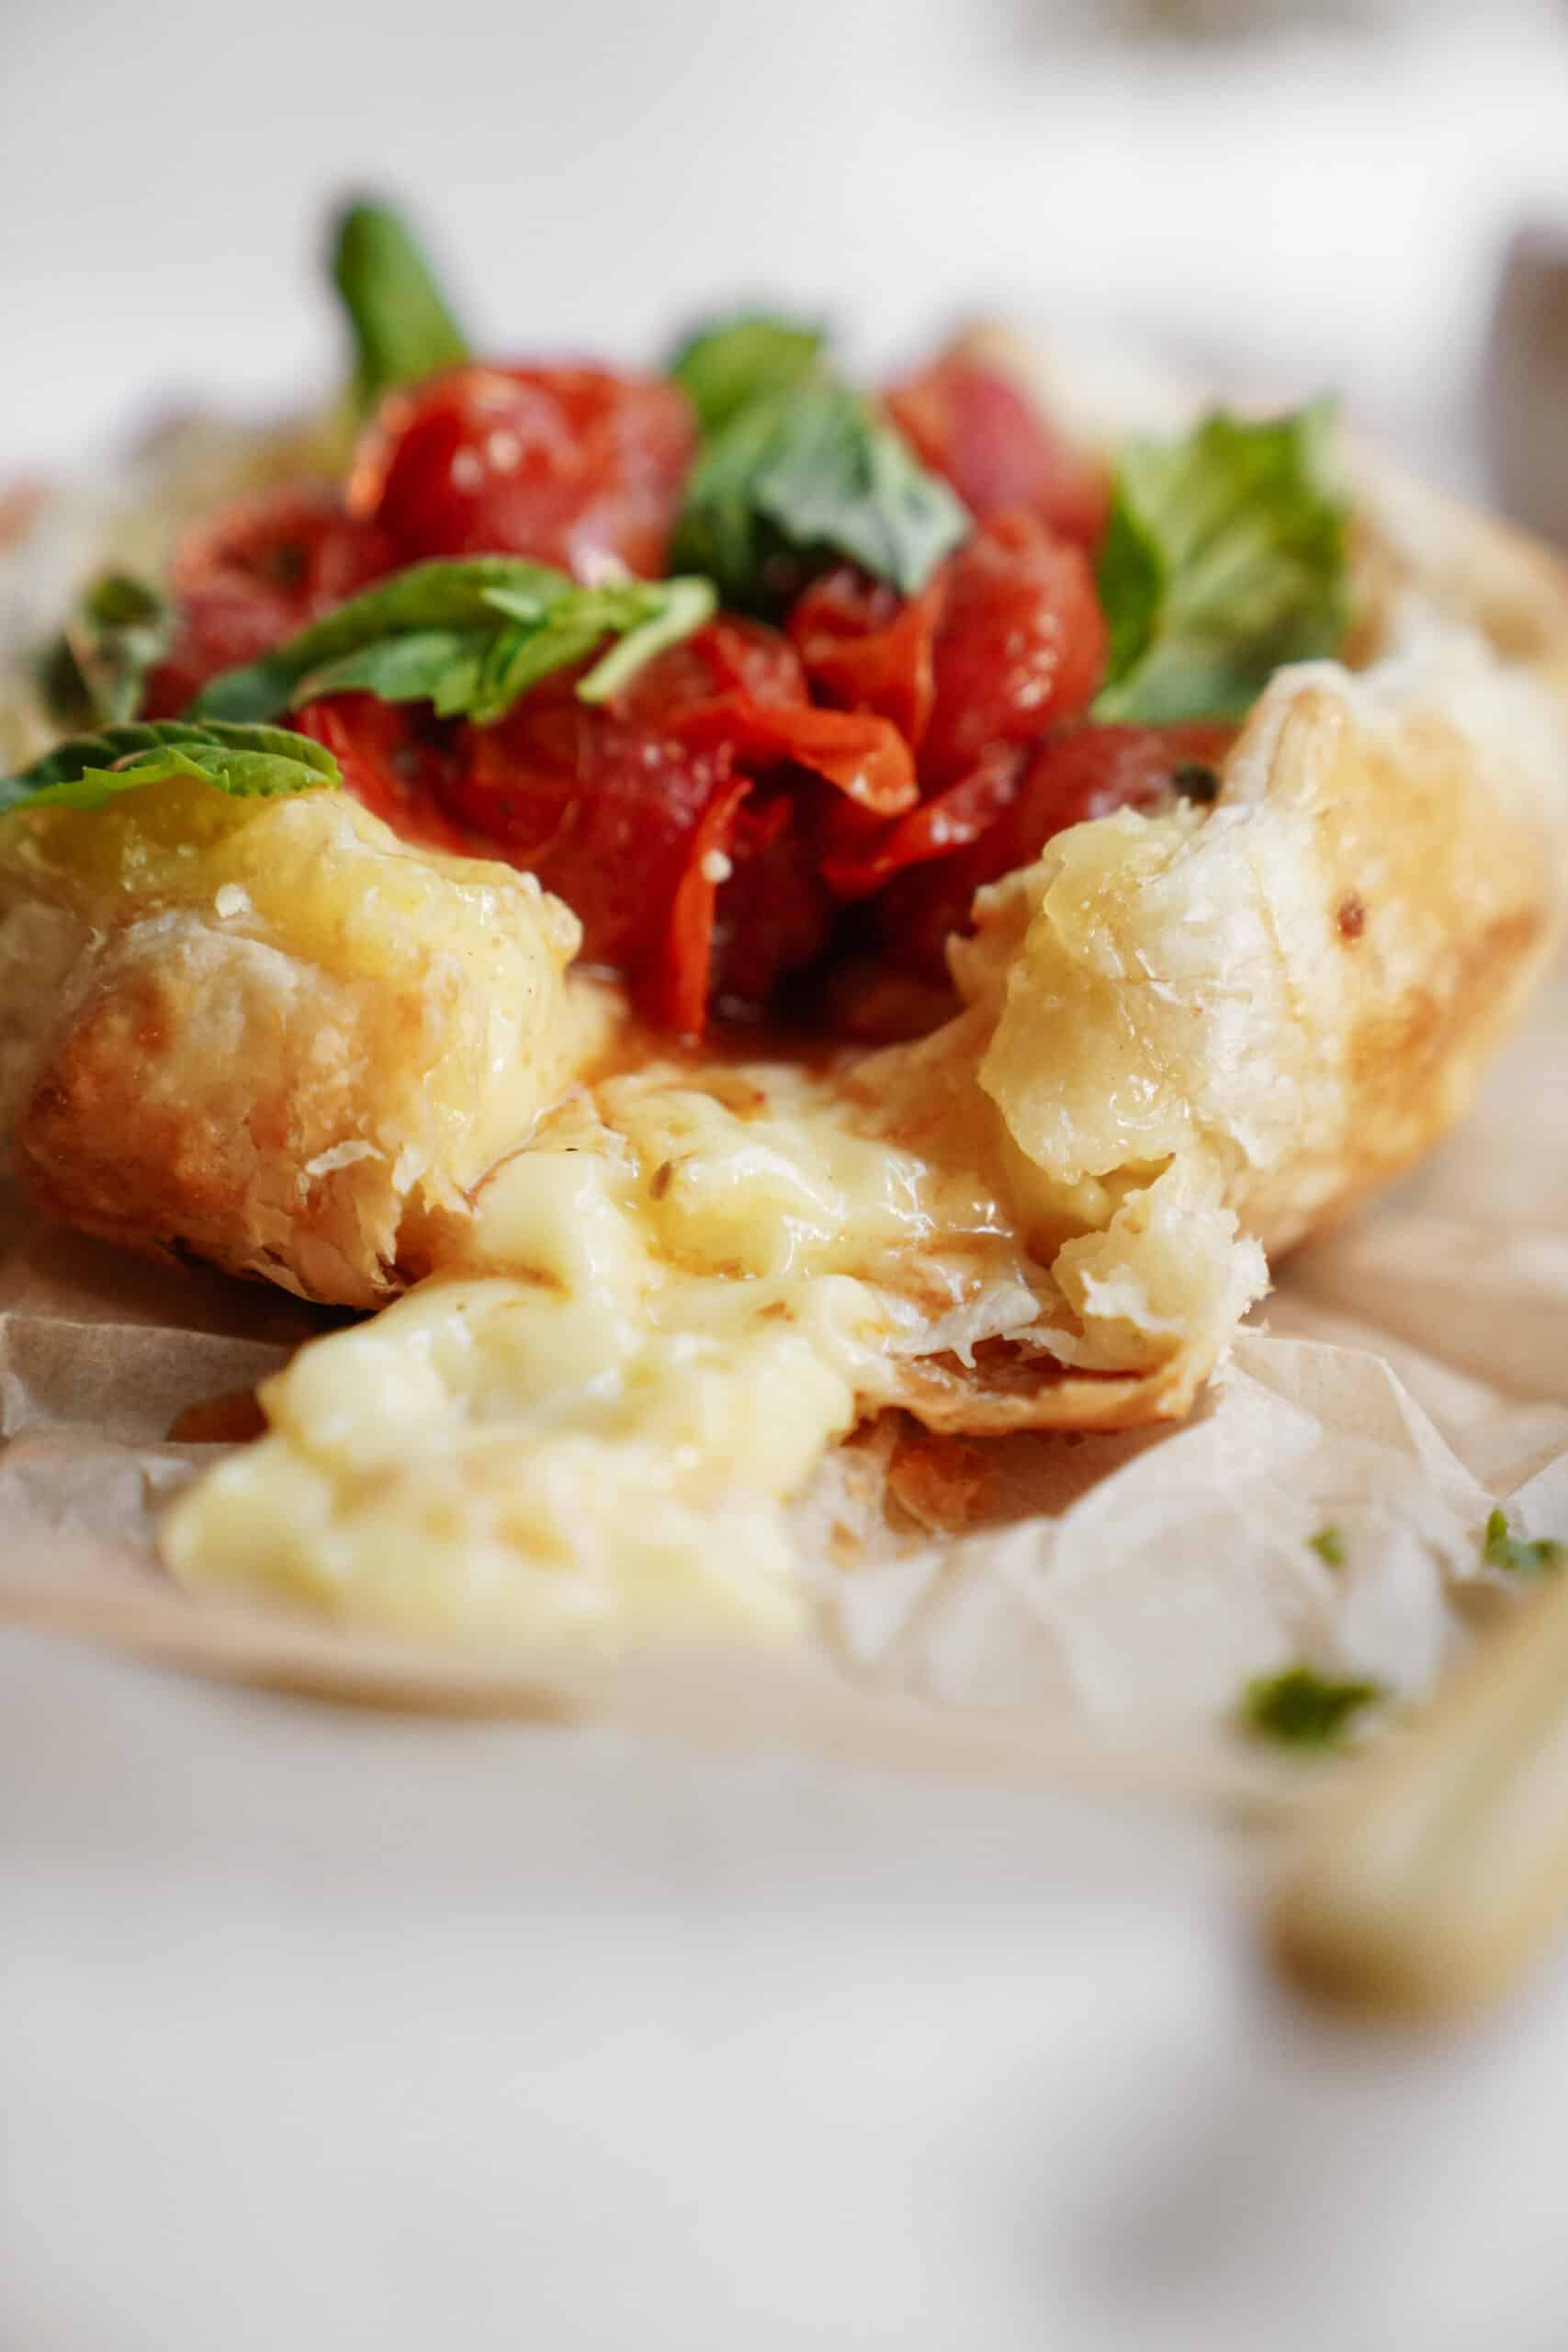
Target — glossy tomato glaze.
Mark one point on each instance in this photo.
(759, 802)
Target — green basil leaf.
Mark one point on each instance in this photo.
(803, 478)
(1525, 1555)
(423, 665)
(401, 326)
(728, 366)
(244, 761)
(94, 672)
(520, 656)
(469, 636)
(1225, 557)
(684, 606)
(1303, 1709)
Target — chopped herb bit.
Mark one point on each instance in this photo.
(1329, 1545)
(1302, 1708)
(94, 672)
(1225, 557)
(802, 479)
(1525, 1555)
(244, 761)
(469, 636)
(728, 366)
(401, 326)
(1196, 781)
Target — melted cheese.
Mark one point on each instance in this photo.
(670, 1303)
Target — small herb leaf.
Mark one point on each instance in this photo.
(94, 672)
(244, 761)
(728, 366)
(687, 605)
(1329, 1545)
(1302, 1708)
(401, 326)
(424, 665)
(1225, 557)
(805, 477)
(1525, 1555)
(469, 636)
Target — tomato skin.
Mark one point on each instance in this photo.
(775, 913)
(1020, 645)
(865, 649)
(1078, 774)
(729, 655)
(677, 987)
(617, 807)
(572, 465)
(602, 806)
(396, 761)
(984, 436)
(943, 826)
(252, 576)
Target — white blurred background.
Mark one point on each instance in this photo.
(1325, 199)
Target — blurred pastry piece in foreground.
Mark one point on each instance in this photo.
(1436, 1877)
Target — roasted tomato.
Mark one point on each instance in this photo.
(774, 913)
(1005, 641)
(256, 575)
(980, 432)
(710, 825)
(572, 465)
(679, 821)
(948, 822)
(601, 804)
(1079, 773)
(678, 983)
(867, 648)
(739, 685)
(1019, 647)
(396, 759)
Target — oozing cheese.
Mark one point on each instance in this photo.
(671, 1302)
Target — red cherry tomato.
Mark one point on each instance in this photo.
(638, 813)
(1020, 645)
(572, 465)
(984, 436)
(727, 656)
(866, 649)
(739, 685)
(602, 807)
(941, 827)
(1081, 772)
(750, 912)
(774, 913)
(396, 759)
(676, 989)
(254, 575)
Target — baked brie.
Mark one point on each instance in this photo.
(668, 1200)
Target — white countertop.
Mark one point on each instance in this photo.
(323, 2030)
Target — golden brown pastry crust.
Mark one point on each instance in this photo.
(293, 1052)
(1301, 990)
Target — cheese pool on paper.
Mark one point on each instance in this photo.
(670, 1307)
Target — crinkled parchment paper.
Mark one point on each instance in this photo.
(1410, 1371)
